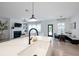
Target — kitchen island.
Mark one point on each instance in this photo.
(17, 47)
(41, 47)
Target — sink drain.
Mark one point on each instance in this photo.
(34, 55)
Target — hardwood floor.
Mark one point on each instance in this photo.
(65, 49)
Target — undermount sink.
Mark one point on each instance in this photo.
(35, 55)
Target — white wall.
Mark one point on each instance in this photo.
(55, 26)
(44, 27)
(75, 32)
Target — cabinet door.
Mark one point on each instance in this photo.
(50, 30)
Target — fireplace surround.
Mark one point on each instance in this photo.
(17, 34)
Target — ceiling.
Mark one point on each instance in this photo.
(43, 10)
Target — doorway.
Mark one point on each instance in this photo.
(50, 30)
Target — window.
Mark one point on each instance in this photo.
(61, 28)
(36, 26)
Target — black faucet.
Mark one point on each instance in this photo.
(30, 35)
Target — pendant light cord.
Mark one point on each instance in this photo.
(32, 8)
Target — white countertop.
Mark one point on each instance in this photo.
(39, 48)
(15, 46)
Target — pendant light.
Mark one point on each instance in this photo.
(32, 19)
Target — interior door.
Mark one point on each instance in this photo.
(50, 30)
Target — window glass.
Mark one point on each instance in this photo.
(36, 26)
(61, 28)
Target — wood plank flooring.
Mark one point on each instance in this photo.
(65, 49)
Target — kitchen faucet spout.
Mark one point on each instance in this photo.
(30, 34)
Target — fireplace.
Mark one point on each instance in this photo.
(17, 34)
